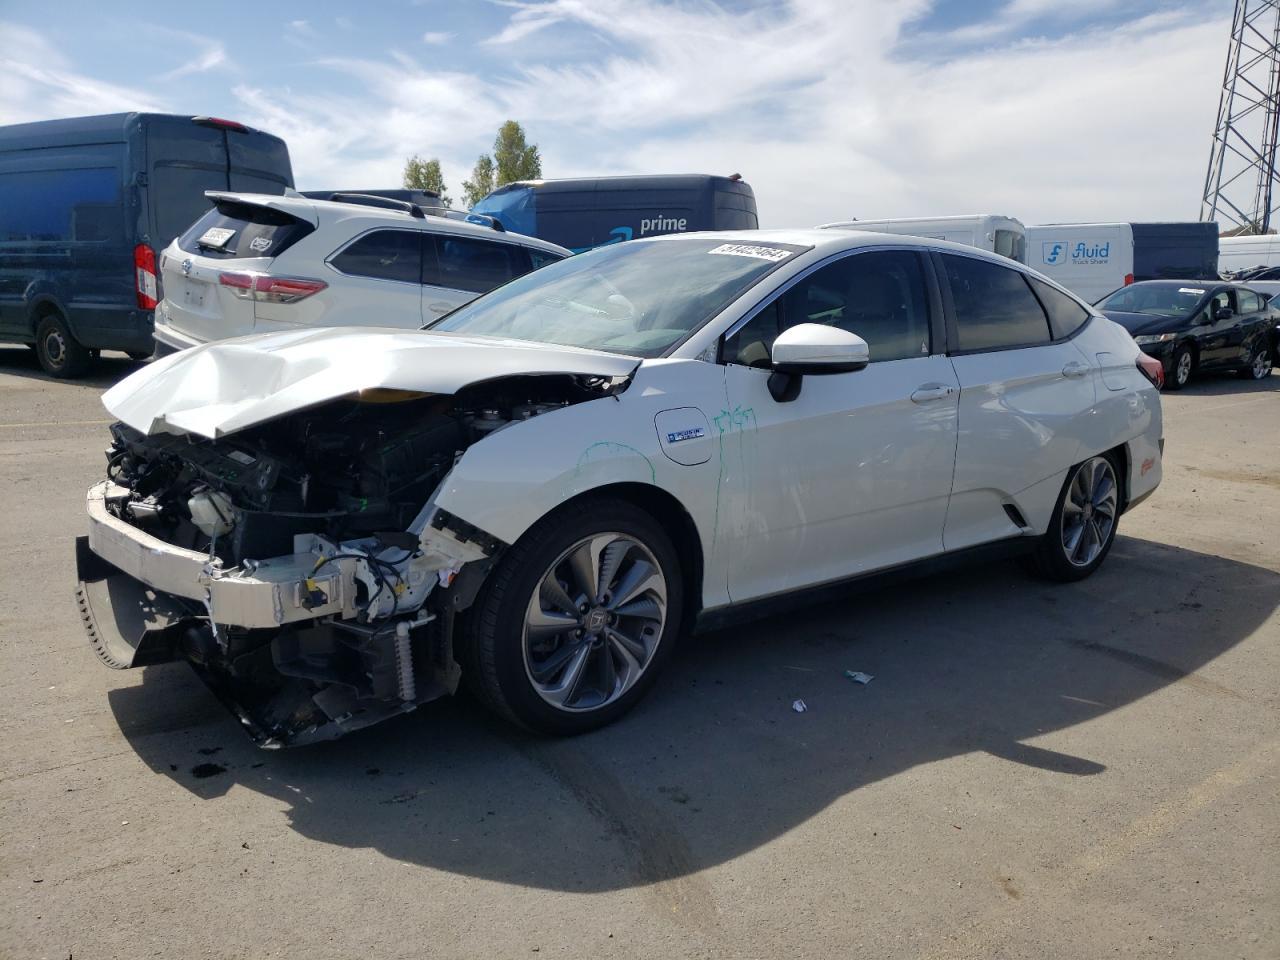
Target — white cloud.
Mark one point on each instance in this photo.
(38, 83)
(435, 38)
(211, 55)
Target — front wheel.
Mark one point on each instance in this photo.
(1183, 364)
(1259, 365)
(1083, 526)
(576, 620)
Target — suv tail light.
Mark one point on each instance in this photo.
(1152, 369)
(144, 268)
(268, 289)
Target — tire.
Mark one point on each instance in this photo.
(61, 354)
(1183, 364)
(1085, 497)
(516, 661)
(1259, 365)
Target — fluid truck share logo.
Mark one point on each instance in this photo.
(1083, 253)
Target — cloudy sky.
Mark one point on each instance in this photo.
(1047, 110)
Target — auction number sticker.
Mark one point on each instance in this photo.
(772, 254)
(216, 237)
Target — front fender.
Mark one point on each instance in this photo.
(508, 481)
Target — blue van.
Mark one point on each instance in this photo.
(592, 211)
(86, 203)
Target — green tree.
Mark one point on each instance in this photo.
(422, 174)
(514, 159)
(481, 183)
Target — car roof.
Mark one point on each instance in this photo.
(826, 242)
(332, 211)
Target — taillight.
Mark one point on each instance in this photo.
(1152, 369)
(268, 289)
(144, 268)
(1128, 279)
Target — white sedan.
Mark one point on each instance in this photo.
(541, 492)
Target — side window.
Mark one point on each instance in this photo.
(1248, 301)
(540, 258)
(1065, 315)
(880, 296)
(752, 345)
(465, 263)
(1220, 300)
(383, 255)
(994, 306)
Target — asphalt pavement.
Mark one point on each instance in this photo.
(1035, 771)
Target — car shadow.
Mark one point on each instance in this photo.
(716, 762)
(1228, 384)
(107, 370)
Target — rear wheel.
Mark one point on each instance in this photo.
(577, 619)
(60, 353)
(1259, 365)
(1183, 364)
(1083, 526)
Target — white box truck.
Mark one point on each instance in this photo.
(1002, 235)
(1240, 254)
(1093, 259)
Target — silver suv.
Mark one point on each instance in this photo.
(258, 262)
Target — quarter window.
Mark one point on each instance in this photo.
(994, 307)
(383, 255)
(465, 263)
(1065, 315)
(880, 296)
(540, 258)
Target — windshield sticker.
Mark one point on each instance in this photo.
(259, 243)
(216, 237)
(1198, 293)
(772, 254)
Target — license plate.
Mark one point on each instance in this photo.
(193, 294)
(216, 237)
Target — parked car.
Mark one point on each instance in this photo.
(1269, 290)
(1094, 259)
(585, 212)
(257, 263)
(1197, 326)
(539, 492)
(85, 204)
(1003, 235)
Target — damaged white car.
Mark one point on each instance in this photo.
(539, 493)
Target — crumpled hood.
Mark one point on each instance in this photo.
(1139, 323)
(222, 387)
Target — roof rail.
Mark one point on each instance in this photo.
(386, 203)
(480, 219)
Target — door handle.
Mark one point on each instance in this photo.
(931, 391)
(1075, 370)
(439, 307)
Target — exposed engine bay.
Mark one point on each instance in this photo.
(326, 514)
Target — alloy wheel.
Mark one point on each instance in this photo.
(593, 625)
(1089, 511)
(1183, 371)
(1261, 367)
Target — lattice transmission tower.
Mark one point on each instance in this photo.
(1240, 186)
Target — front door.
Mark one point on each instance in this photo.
(854, 473)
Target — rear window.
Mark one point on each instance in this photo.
(1065, 315)
(234, 230)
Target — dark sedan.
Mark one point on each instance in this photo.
(1195, 326)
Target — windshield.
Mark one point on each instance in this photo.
(638, 298)
(1165, 299)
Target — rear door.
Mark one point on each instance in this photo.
(184, 159)
(380, 285)
(1024, 400)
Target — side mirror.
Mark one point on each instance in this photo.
(1223, 313)
(814, 349)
